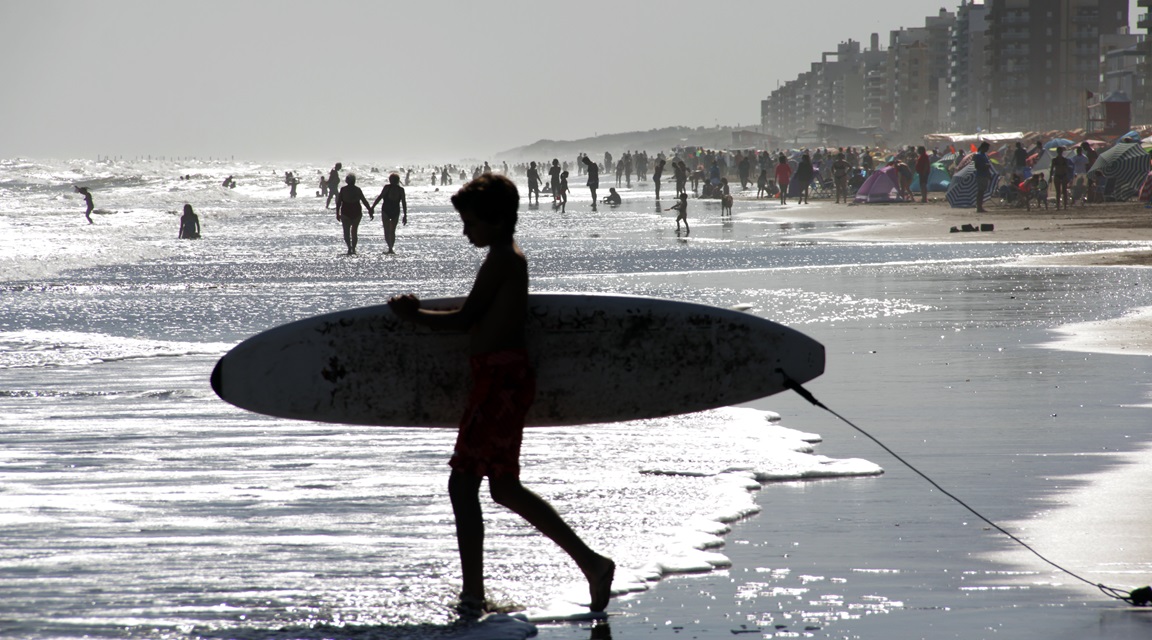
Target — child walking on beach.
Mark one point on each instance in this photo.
(681, 208)
(504, 386)
(1040, 192)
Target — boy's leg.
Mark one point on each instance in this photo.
(507, 491)
(464, 490)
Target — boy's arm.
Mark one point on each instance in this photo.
(492, 275)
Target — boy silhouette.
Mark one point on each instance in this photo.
(504, 385)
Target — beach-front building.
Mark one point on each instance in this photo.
(1044, 59)
(1142, 81)
(996, 65)
(967, 70)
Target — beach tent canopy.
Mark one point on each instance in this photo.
(962, 192)
(1125, 167)
(938, 179)
(882, 185)
(1041, 161)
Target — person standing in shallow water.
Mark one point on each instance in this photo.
(593, 178)
(393, 199)
(87, 202)
(504, 387)
(189, 224)
(349, 213)
(333, 185)
(657, 172)
(681, 209)
(554, 180)
(533, 183)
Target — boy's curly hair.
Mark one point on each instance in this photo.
(492, 198)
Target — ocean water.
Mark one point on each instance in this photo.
(134, 503)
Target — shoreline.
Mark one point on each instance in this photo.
(792, 552)
(1127, 225)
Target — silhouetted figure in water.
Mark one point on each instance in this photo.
(87, 202)
(563, 191)
(533, 183)
(334, 185)
(657, 172)
(554, 175)
(681, 209)
(348, 211)
(613, 197)
(393, 199)
(593, 178)
(189, 224)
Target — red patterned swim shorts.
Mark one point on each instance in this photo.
(503, 388)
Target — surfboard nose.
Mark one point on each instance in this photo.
(216, 378)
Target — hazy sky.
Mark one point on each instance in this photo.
(381, 81)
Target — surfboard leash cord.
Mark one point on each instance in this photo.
(1141, 597)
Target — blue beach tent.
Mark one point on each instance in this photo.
(938, 179)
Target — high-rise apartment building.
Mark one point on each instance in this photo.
(1043, 57)
(1142, 81)
(967, 75)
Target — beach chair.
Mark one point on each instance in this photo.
(821, 188)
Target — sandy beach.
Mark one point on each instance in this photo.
(901, 561)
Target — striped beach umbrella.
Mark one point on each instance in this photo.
(962, 191)
(1124, 167)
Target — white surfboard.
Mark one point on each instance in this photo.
(598, 358)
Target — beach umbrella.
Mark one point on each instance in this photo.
(962, 190)
(1124, 167)
(1058, 142)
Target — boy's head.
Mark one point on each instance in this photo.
(491, 198)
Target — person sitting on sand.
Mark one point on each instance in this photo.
(87, 202)
(613, 198)
(504, 387)
(189, 224)
(1024, 187)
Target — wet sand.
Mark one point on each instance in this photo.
(892, 558)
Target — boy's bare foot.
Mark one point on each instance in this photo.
(471, 606)
(600, 584)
